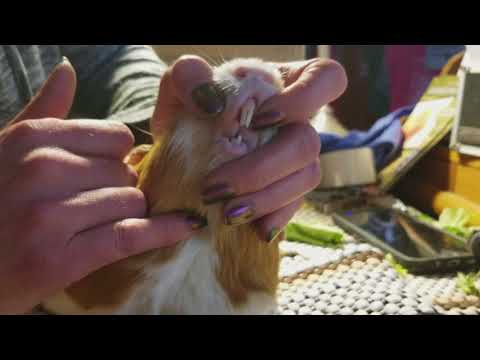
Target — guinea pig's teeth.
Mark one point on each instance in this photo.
(247, 113)
(239, 139)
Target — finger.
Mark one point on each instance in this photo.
(83, 137)
(310, 86)
(56, 96)
(56, 173)
(112, 242)
(295, 147)
(252, 88)
(187, 85)
(272, 225)
(97, 207)
(251, 207)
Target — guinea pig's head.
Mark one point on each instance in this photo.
(186, 153)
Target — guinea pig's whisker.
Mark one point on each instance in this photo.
(204, 54)
(220, 55)
(141, 130)
(228, 87)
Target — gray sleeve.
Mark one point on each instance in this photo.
(117, 82)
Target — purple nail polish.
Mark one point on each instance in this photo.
(239, 215)
(236, 212)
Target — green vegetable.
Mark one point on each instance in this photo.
(396, 266)
(455, 221)
(466, 283)
(425, 218)
(454, 218)
(314, 235)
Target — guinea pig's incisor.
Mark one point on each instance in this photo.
(221, 270)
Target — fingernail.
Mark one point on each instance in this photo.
(273, 234)
(239, 215)
(267, 119)
(210, 98)
(217, 193)
(196, 222)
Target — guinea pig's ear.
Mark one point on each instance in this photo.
(186, 86)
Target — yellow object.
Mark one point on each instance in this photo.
(448, 175)
(444, 200)
(427, 197)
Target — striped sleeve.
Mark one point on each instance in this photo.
(117, 82)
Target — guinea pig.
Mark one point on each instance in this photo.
(224, 269)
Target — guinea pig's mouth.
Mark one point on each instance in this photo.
(242, 143)
(245, 140)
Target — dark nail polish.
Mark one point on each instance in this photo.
(273, 234)
(197, 222)
(216, 194)
(239, 215)
(210, 98)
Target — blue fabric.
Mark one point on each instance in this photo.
(384, 138)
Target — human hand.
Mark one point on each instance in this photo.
(266, 186)
(69, 203)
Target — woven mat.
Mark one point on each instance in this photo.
(356, 280)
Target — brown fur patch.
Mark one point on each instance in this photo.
(247, 263)
(108, 287)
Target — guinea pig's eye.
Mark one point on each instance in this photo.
(241, 73)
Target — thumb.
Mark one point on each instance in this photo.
(56, 96)
(187, 85)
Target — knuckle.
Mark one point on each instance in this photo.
(33, 265)
(40, 269)
(315, 173)
(124, 240)
(170, 235)
(42, 162)
(42, 217)
(251, 181)
(29, 129)
(23, 132)
(308, 140)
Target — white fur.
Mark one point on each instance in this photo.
(186, 285)
(188, 282)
